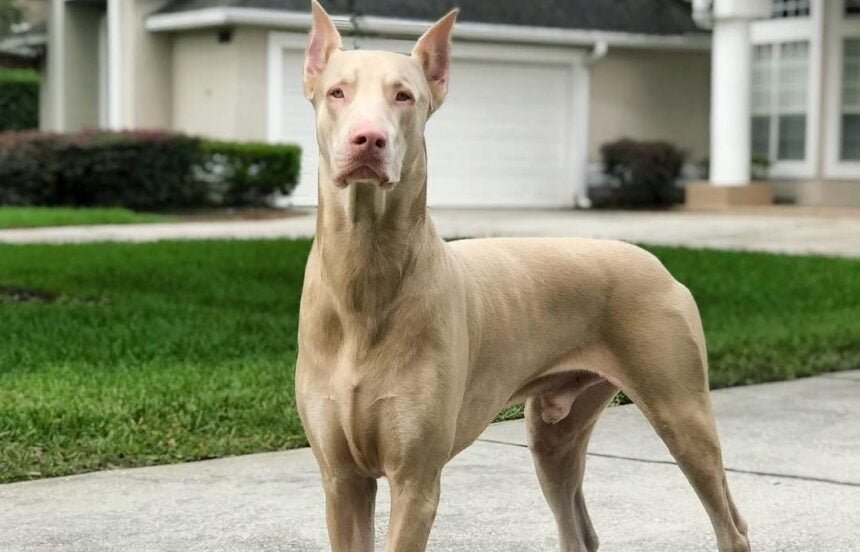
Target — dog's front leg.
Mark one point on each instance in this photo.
(414, 499)
(349, 505)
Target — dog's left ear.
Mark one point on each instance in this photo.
(433, 53)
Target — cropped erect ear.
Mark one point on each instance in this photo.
(433, 53)
(324, 39)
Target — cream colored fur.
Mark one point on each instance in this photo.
(409, 347)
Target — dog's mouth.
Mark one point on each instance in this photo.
(369, 173)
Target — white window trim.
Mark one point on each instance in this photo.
(794, 29)
(575, 59)
(840, 27)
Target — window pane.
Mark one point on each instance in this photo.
(761, 136)
(792, 137)
(762, 78)
(793, 76)
(790, 8)
(851, 76)
(852, 7)
(851, 137)
(850, 143)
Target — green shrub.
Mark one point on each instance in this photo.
(19, 99)
(144, 170)
(641, 175)
(250, 173)
(147, 170)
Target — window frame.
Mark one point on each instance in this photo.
(841, 27)
(775, 32)
(775, 15)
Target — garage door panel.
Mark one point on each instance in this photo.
(297, 126)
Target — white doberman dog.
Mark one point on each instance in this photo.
(410, 346)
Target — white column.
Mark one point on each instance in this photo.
(731, 74)
(114, 69)
(56, 66)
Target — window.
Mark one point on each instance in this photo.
(790, 8)
(779, 82)
(852, 7)
(761, 103)
(850, 142)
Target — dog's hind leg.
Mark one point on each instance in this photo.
(666, 377)
(688, 429)
(558, 447)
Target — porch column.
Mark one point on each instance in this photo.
(116, 119)
(731, 77)
(731, 74)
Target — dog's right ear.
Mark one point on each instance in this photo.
(323, 40)
(433, 54)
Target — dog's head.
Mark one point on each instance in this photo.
(371, 106)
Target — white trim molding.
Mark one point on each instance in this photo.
(469, 31)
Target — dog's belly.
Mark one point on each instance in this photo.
(543, 311)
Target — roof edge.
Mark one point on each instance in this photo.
(479, 32)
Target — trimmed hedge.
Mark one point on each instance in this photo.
(250, 173)
(19, 99)
(143, 170)
(641, 175)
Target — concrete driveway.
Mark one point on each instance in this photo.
(793, 452)
(782, 230)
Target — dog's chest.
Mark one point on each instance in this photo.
(359, 416)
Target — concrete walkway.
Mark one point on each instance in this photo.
(785, 231)
(792, 449)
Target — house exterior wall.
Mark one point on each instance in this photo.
(138, 71)
(251, 79)
(651, 95)
(219, 88)
(78, 52)
(146, 56)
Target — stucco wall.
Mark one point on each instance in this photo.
(219, 88)
(653, 95)
(146, 60)
(251, 93)
(79, 52)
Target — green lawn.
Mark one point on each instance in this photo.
(133, 354)
(31, 217)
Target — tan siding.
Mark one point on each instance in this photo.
(651, 95)
(80, 57)
(204, 84)
(147, 57)
(219, 89)
(252, 84)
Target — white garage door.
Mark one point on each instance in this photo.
(508, 134)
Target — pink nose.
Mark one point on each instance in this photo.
(366, 137)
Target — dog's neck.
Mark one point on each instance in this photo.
(370, 241)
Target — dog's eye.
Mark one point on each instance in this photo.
(336, 93)
(403, 96)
